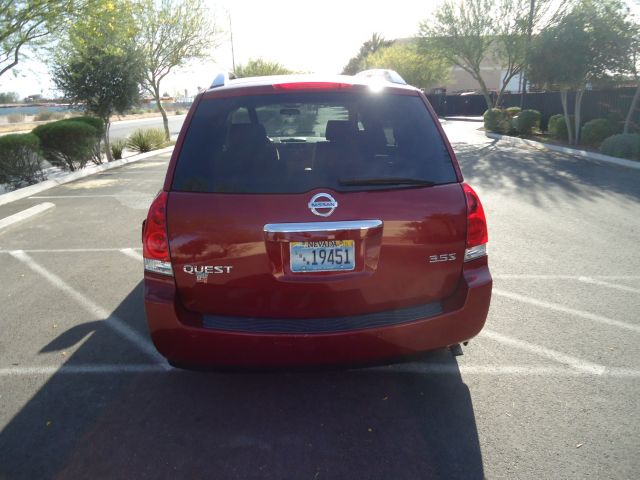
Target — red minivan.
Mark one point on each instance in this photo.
(308, 221)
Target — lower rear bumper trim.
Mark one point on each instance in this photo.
(322, 325)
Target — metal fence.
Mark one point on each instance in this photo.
(613, 104)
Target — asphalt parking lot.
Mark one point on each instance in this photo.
(548, 390)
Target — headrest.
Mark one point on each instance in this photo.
(339, 130)
(246, 134)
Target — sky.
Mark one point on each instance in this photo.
(304, 36)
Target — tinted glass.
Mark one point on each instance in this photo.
(292, 143)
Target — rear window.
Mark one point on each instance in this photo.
(292, 143)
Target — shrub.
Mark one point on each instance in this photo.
(20, 160)
(98, 125)
(496, 120)
(512, 111)
(15, 117)
(117, 146)
(178, 112)
(45, 115)
(558, 127)
(68, 144)
(145, 140)
(527, 121)
(624, 145)
(595, 131)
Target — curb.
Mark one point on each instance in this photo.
(25, 214)
(464, 119)
(599, 157)
(85, 172)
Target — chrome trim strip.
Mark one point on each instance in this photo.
(321, 226)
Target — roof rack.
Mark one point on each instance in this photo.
(222, 79)
(382, 74)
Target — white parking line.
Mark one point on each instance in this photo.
(507, 276)
(574, 362)
(570, 311)
(130, 252)
(413, 367)
(602, 283)
(119, 195)
(70, 250)
(25, 214)
(111, 320)
(80, 369)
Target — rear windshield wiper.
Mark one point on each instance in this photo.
(385, 181)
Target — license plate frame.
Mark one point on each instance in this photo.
(302, 258)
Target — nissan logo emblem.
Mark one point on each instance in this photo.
(322, 204)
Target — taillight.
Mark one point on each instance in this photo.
(155, 243)
(311, 86)
(477, 235)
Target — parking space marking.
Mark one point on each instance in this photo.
(414, 367)
(602, 283)
(571, 311)
(130, 252)
(70, 250)
(574, 362)
(96, 196)
(111, 320)
(507, 276)
(25, 214)
(80, 369)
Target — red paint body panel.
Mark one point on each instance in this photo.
(392, 264)
(176, 336)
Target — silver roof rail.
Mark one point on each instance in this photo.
(222, 79)
(383, 74)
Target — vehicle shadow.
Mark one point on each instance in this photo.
(382, 422)
(542, 175)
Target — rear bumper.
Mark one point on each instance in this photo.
(175, 336)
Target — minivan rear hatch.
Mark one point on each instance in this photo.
(315, 205)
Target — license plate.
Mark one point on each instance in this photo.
(324, 256)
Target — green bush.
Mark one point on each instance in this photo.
(624, 145)
(145, 140)
(512, 111)
(496, 120)
(98, 125)
(178, 112)
(117, 146)
(595, 131)
(68, 144)
(15, 117)
(558, 127)
(20, 160)
(527, 121)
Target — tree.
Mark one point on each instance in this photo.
(635, 58)
(371, 46)
(463, 34)
(9, 97)
(472, 31)
(588, 45)
(173, 33)
(259, 67)
(99, 64)
(26, 22)
(420, 70)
